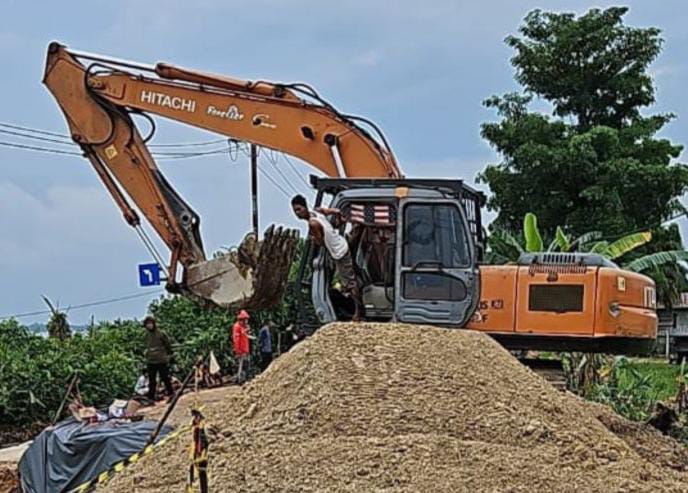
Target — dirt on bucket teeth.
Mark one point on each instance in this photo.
(395, 407)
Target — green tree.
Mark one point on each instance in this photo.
(595, 162)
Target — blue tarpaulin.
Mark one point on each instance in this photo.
(72, 453)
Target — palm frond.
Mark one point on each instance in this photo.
(658, 259)
(626, 244)
(598, 247)
(586, 238)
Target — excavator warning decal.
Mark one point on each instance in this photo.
(111, 152)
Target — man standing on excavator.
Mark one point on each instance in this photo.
(321, 231)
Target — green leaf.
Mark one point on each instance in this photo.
(531, 233)
(494, 258)
(626, 244)
(656, 259)
(504, 245)
(553, 246)
(583, 240)
(562, 240)
(598, 247)
(35, 400)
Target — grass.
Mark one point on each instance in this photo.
(662, 376)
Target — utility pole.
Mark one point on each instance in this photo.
(254, 187)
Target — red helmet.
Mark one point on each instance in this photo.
(243, 315)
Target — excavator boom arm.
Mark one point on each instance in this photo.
(98, 96)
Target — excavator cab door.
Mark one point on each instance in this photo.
(437, 278)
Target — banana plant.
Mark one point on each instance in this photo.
(504, 247)
(532, 234)
(654, 260)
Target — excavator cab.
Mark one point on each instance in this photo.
(415, 247)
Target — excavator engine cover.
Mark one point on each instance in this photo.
(252, 276)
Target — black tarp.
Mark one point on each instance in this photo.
(72, 453)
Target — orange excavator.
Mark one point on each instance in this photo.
(417, 244)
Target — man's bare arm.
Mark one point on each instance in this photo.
(328, 210)
(315, 230)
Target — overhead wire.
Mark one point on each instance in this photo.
(232, 149)
(34, 130)
(68, 140)
(296, 171)
(84, 305)
(285, 178)
(191, 144)
(274, 182)
(38, 149)
(289, 184)
(37, 137)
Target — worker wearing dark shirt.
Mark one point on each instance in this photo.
(265, 344)
(158, 356)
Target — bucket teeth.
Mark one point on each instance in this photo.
(253, 276)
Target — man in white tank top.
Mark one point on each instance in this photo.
(321, 231)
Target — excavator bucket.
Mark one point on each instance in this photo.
(253, 276)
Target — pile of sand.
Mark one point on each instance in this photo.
(9, 481)
(380, 407)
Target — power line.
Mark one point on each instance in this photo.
(36, 137)
(164, 155)
(296, 171)
(190, 154)
(191, 144)
(69, 139)
(38, 149)
(284, 177)
(273, 181)
(85, 305)
(34, 130)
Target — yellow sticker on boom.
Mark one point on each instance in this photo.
(111, 152)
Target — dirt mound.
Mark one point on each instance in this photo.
(9, 481)
(381, 407)
(648, 442)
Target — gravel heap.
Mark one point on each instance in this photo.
(394, 407)
(8, 477)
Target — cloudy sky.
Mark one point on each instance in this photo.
(419, 69)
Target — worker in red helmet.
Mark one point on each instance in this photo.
(240, 342)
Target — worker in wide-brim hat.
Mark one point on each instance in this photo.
(241, 345)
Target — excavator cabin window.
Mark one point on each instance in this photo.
(433, 238)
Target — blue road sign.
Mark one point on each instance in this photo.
(149, 274)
